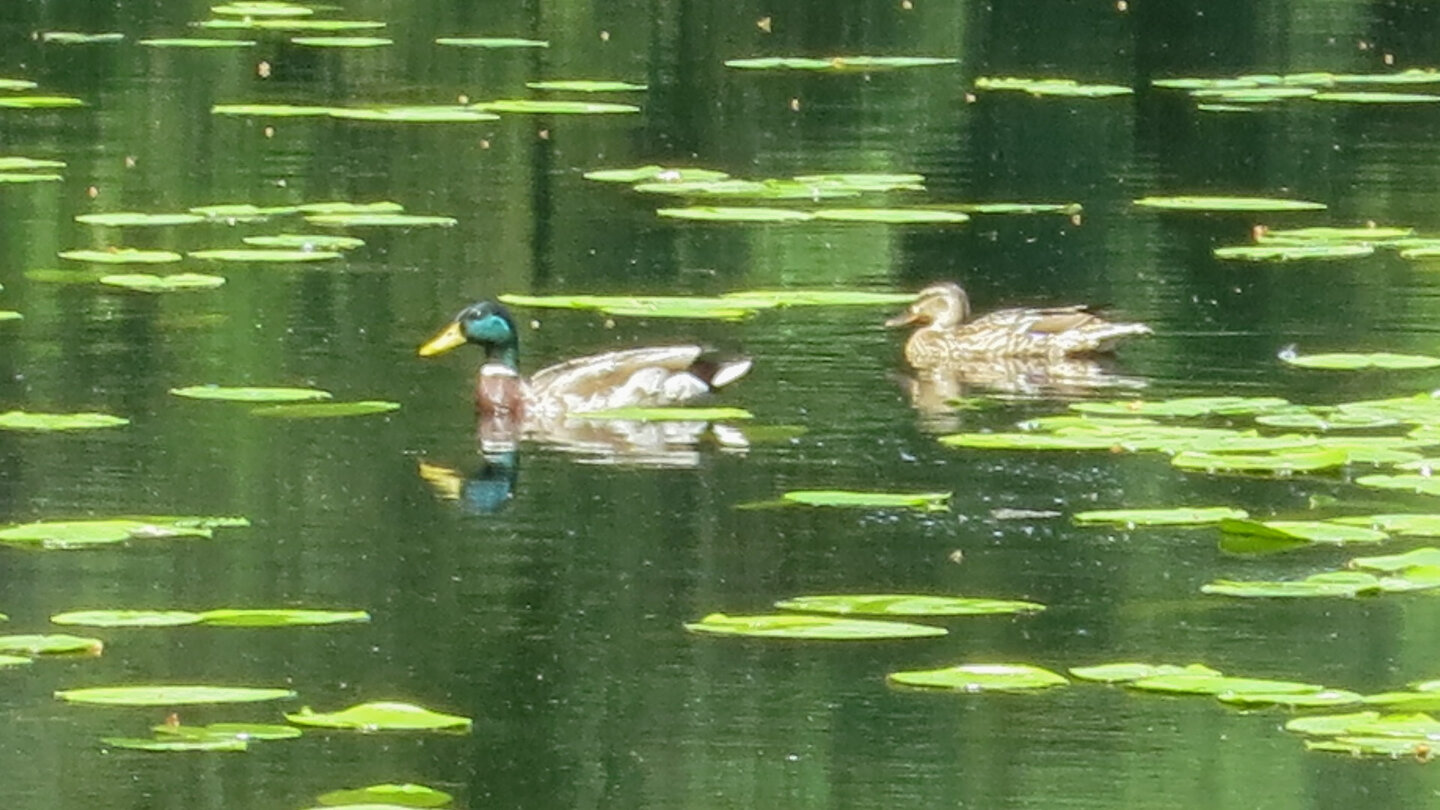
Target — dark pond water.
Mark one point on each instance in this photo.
(555, 620)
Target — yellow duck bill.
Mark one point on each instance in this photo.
(449, 338)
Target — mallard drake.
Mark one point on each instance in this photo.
(946, 335)
(645, 377)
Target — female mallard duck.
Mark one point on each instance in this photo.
(647, 377)
(947, 337)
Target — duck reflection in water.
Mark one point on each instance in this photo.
(1021, 352)
(550, 406)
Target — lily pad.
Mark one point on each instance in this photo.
(39, 102)
(906, 605)
(57, 644)
(865, 181)
(1367, 97)
(197, 42)
(122, 256)
(892, 216)
(1325, 419)
(11, 85)
(131, 218)
(126, 618)
(262, 8)
(147, 282)
(10, 315)
(837, 63)
(819, 298)
(234, 731)
(1017, 208)
(799, 626)
(382, 717)
(29, 177)
(543, 107)
(327, 410)
(1206, 684)
(242, 212)
(274, 255)
(1350, 361)
(1392, 747)
(492, 42)
(656, 174)
(62, 534)
(678, 414)
(1282, 463)
(1290, 253)
(170, 695)
(78, 38)
(357, 220)
(272, 111)
(1390, 563)
(1421, 484)
(1365, 235)
(243, 394)
(231, 617)
(980, 678)
(14, 661)
(1068, 88)
(1206, 203)
(586, 86)
(1181, 516)
(24, 164)
(1330, 583)
(432, 114)
(1130, 671)
(1314, 531)
(23, 420)
(1329, 725)
(1183, 406)
(1412, 701)
(928, 501)
(305, 241)
(178, 744)
(292, 24)
(709, 213)
(734, 189)
(1252, 95)
(405, 795)
(343, 42)
(1307, 700)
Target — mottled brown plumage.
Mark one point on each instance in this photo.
(946, 336)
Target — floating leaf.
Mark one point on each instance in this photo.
(1329, 725)
(1422, 484)
(1181, 516)
(1364, 97)
(10, 315)
(748, 189)
(708, 213)
(892, 216)
(1399, 562)
(1287, 462)
(406, 795)
(1051, 87)
(231, 617)
(1369, 234)
(1204, 203)
(174, 745)
(262, 8)
(1393, 747)
(1358, 360)
(343, 42)
(1307, 700)
(233, 731)
(29, 177)
(929, 501)
(9, 85)
(380, 220)
(77, 38)
(122, 256)
(58, 644)
(272, 110)
(906, 605)
(1017, 208)
(1253, 95)
(126, 618)
(327, 410)
(24, 164)
(242, 212)
(169, 695)
(1252, 444)
(980, 678)
(586, 86)
(676, 414)
(1128, 671)
(146, 282)
(1289, 253)
(275, 255)
(540, 106)
(243, 394)
(23, 420)
(865, 181)
(1032, 441)
(1183, 406)
(1413, 701)
(433, 114)
(81, 533)
(800, 626)
(382, 717)
(131, 218)
(197, 42)
(656, 174)
(1330, 583)
(491, 42)
(14, 661)
(39, 102)
(345, 207)
(1325, 419)
(305, 241)
(819, 298)
(1206, 684)
(1314, 531)
(837, 63)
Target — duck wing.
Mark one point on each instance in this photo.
(651, 376)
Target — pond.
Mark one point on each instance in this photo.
(542, 593)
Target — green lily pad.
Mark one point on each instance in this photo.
(77, 38)
(292, 24)
(837, 63)
(131, 218)
(1031, 441)
(1181, 516)
(1412, 701)
(1420, 253)
(1068, 88)
(243, 394)
(1325, 420)
(1183, 406)
(420, 114)
(906, 605)
(126, 618)
(1329, 725)
(492, 42)
(272, 111)
(892, 216)
(406, 795)
(39, 102)
(1330, 583)
(24, 164)
(326, 410)
(710, 213)
(174, 745)
(865, 181)
(656, 174)
(275, 255)
(818, 298)
(147, 282)
(980, 678)
(382, 717)
(197, 42)
(23, 420)
(1309, 700)
(1253, 444)
(1017, 208)
(347, 207)
(544, 107)
(358, 220)
(928, 501)
(1390, 563)
(231, 617)
(29, 177)
(586, 86)
(1314, 531)
(233, 731)
(1289, 253)
(1252, 95)
(56, 644)
(1206, 203)
(1359, 360)
(799, 626)
(1194, 83)
(678, 414)
(10, 315)
(1392, 747)
(11, 85)
(1207, 684)
(305, 241)
(1369, 235)
(1366, 97)
(170, 695)
(734, 189)
(1421, 484)
(81, 533)
(1129, 671)
(14, 661)
(122, 256)
(242, 212)
(343, 42)
(262, 8)
(1286, 462)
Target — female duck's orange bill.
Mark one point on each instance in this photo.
(449, 338)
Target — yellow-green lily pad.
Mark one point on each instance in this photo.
(928, 501)
(492, 42)
(24, 164)
(244, 394)
(280, 617)
(1206, 684)
(176, 282)
(126, 618)
(403, 795)
(1390, 563)
(587, 86)
(54, 644)
(1183, 406)
(656, 174)
(383, 716)
(1131, 671)
(1329, 583)
(544, 107)
(906, 605)
(10, 315)
(418, 114)
(837, 63)
(170, 695)
(234, 731)
(14, 661)
(305, 241)
(1350, 361)
(1421, 484)
(122, 256)
(1283, 462)
(1376, 97)
(980, 678)
(39, 102)
(175, 745)
(343, 42)
(1068, 88)
(1179, 516)
(1307, 700)
(892, 216)
(272, 110)
(712, 213)
(1329, 725)
(1370, 235)
(197, 42)
(29, 177)
(326, 410)
(274, 255)
(360, 220)
(12, 85)
(79, 38)
(1219, 203)
(24, 420)
(262, 8)
(1314, 531)
(1289, 253)
(133, 218)
(800, 626)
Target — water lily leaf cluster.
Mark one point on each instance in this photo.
(220, 617)
(1257, 89)
(1416, 570)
